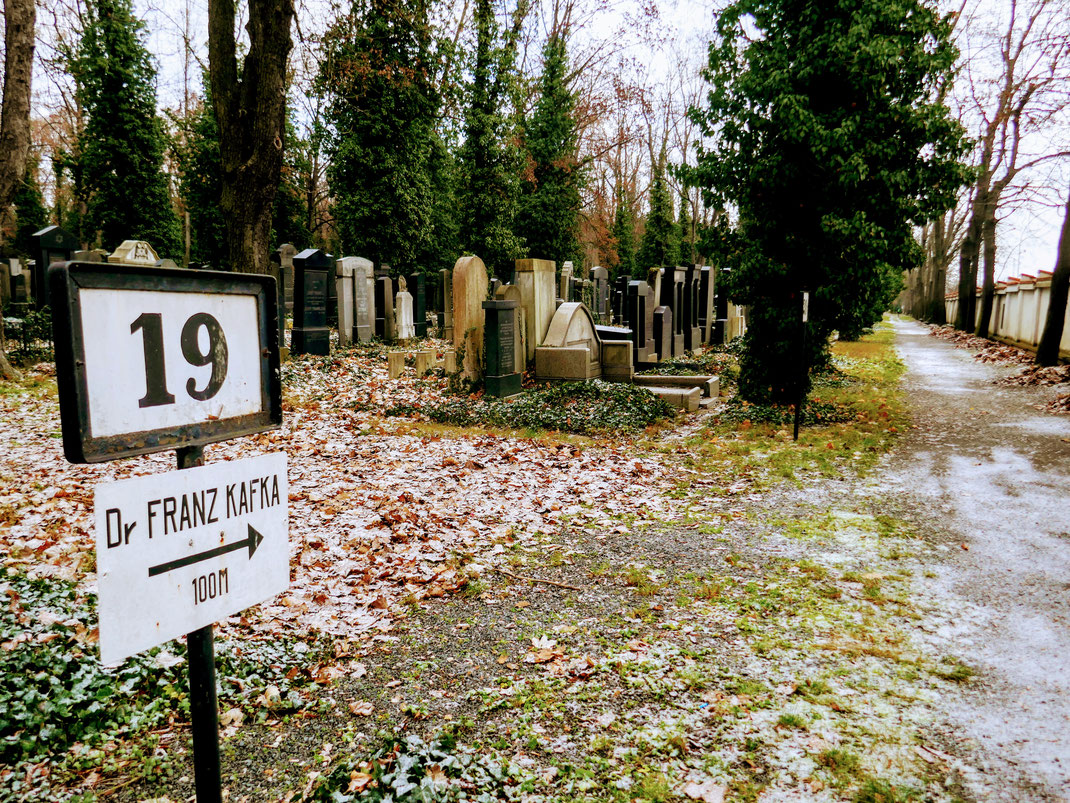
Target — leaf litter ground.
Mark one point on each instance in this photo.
(650, 618)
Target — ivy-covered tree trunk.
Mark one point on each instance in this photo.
(20, 16)
(250, 107)
(1048, 348)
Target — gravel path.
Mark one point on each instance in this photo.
(989, 476)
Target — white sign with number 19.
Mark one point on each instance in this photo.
(161, 359)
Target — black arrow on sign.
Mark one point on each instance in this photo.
(252, 542)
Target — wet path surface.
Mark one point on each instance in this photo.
(988, 476)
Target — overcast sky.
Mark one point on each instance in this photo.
(1028, 236)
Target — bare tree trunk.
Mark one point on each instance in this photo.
(250, 108)
(20, 17)
(988, 288)
(935, 311)
(968, 253)
(1048, 348)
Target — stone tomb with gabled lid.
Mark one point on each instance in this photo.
(571, 350)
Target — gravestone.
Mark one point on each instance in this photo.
(286, 254)
(503, 376)
(310, 332)
(564, 289)
(446, 277)
(692, 332)
(639, 317)
(418, 290)
(705, 302)
(618, 294)
(600, 280)
(332, 285)
(385, 328)
(363, 297)
(20, 288)
(406, 330)
(672, 296)
(50, 244)
(93, 255)
(470, 284)
(653, 278)
(535, 278)
(510, 292)
(663, 332)
(571, 349)
(344, 280)
(720, 315)
(134, 252)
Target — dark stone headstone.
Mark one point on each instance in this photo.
(639, 316)
(284, 258)
(705, 302)
(600, 278)
(418, 289)
(20, 288)
(720, 312)
(617, 297)
(5, 283)
(663, 332)
(692, 331)
(312, 277)
(499, 348)
(384, 308)
(672, 296)
(50, 244)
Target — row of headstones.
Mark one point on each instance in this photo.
(674, 312)
(24, 285)
(348, 293)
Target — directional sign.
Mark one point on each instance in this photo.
(155, 358)
(181, 550)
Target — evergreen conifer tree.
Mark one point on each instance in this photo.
(830, 138)
(488, 164)
(549, 209)
(121, 148)
(200, 184)
(685, 235)
(378, 73)
(624, 234)
(657, 247)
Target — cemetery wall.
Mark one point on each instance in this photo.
(1019, 310)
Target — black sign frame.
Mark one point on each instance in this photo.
(68, 279)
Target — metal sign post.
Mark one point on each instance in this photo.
(152, 359)
(203, 707)
(804, 363)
